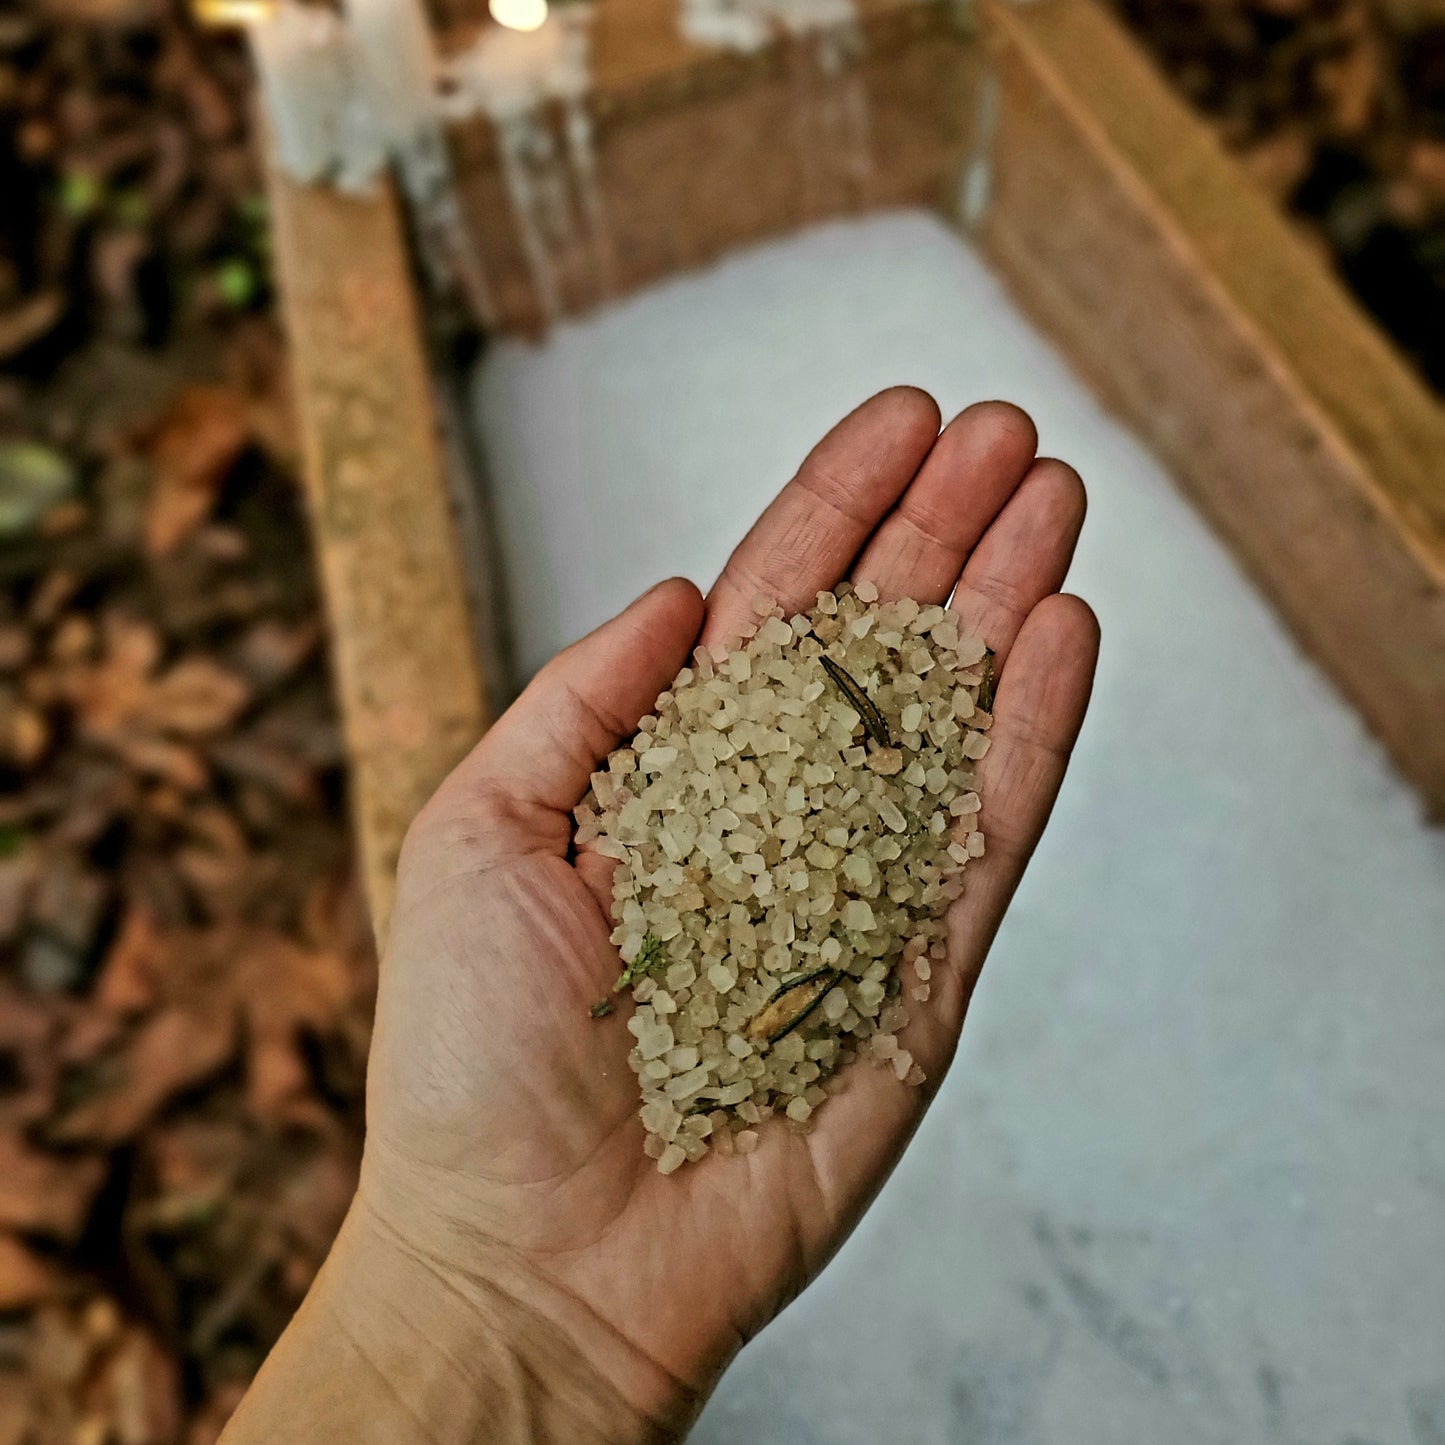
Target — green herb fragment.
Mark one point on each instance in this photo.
(602, 1008)
(791, 1004)
(236, 282)
(874, 722)
(985, 688)
(80, 193)
(12, 840)
(651, 958)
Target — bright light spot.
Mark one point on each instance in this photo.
(233, 12)
(519, 14)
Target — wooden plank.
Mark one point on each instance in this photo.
(700, 149)
(406, 670)
(1189, 301)
(638, 44)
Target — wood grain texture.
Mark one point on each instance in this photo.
(402, 643)
(699, 149)
(1178, 289)
(1199, 315)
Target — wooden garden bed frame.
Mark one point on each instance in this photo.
(1175, 287)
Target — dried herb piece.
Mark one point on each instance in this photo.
(602, 1008)
(651, 958)
(874, 722)
(985, 688)
(791, 1004)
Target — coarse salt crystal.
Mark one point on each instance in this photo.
(769, 840)
(721, 977)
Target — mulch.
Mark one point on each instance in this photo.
(186, 971)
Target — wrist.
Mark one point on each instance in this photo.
(393, 1345)
(563, 1303)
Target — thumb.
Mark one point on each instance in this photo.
(545, 747)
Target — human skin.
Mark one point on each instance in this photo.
(513, 1267)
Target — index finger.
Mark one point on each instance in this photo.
(815, 527)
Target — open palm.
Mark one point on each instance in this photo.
(503, 1136)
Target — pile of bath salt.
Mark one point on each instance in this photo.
(790, 825)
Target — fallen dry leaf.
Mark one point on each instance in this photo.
(26, 1024)
(175, 763)
(285, 989)
(127, 980)
(107, 694)
(206, 1427)
(24, 735)
(197, 1158)
(87, 1036)
(222, 544)
(25, 1279)
(226, 883)
(216, 827)
(64, 520)
(54, 594)
(16, 1415)
(43, 1194)
(196, 444)
(70, 903)
(139, 1392)
(315, 1199)
(174, 1051)
(254, 760)
(196, 698)
(61, 1348)
(26, 323)
(17, 878)
(16, 645)
(97, 796)
(114, 261)
(271, 651)
(72, 639)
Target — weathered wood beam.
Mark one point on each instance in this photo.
(409, 684)
(1204, 319)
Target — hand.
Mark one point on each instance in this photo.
(504, 1167)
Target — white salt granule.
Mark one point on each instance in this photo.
(788, 835)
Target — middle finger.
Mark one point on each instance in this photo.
(807, 539)
(975, 466)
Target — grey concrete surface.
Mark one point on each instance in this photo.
(1186, 1181)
